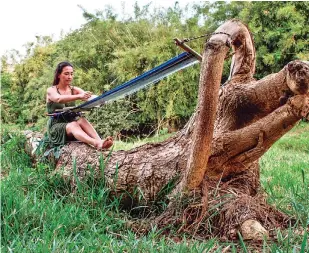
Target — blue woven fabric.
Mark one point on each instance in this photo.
(154, 75)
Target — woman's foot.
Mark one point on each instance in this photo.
(104, 144)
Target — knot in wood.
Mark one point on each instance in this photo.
(298, 77)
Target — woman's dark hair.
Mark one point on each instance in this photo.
(59, 69)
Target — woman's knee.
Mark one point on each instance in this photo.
(83, 122)
(70, 127)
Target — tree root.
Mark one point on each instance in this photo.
(232, 203)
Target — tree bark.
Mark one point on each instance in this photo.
(226, 134)
(232, 127)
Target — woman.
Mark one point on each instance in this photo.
(60, 95)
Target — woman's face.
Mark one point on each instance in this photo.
(66, 75)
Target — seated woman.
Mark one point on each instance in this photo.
(62, 94)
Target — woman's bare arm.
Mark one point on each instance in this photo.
(78, 94)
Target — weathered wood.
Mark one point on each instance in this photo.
(230, 130)
(219, 140)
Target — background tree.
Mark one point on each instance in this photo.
(108, 51)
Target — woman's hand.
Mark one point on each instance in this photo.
(85, 95)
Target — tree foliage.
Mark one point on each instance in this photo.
(108, 51)
(280, 31)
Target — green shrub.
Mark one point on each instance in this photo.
(13, 155)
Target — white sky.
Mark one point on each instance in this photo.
(22, 20)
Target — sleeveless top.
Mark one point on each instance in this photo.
(52, 106)
(56, 126)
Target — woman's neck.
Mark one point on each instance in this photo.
(62, 86)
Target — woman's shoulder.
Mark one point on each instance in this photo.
(51, 88)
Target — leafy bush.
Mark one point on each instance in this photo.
(107, 51)
(13, 155)
(110, 119)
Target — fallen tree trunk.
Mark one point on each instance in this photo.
(249, 120)
(230, 130)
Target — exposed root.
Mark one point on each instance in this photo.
(232, 203)
(243, 207)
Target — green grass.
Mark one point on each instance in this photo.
(285, 173)
(39, 212)
(121, 145)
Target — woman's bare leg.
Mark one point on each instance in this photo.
(74, 129)
(88, 128)
(78, 132)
